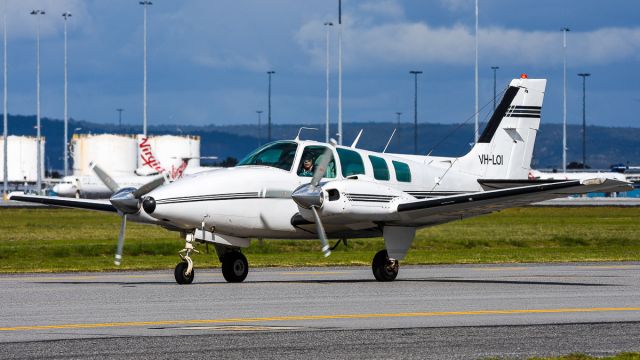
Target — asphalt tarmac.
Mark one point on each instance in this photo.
(439, 312)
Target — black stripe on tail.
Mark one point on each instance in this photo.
(497, 116)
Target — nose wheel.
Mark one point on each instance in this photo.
(182, 276)
(235, 267)
(384, 268)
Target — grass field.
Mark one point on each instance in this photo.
(622, 356)
(49, 240)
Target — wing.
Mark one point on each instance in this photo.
(449, 208)
(87, 204)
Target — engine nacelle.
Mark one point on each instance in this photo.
(357, 198)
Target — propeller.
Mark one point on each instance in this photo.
(310, 196)
(126, 200)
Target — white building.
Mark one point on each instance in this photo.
(116, 154)
(22, 158)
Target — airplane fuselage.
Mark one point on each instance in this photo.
(255, 200)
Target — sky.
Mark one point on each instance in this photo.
(208, 59)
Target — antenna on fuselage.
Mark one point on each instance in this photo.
(389, 141)
(304, 128)
(355, 142)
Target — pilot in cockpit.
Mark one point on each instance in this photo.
(307, 167)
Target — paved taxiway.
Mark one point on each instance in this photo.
(433, 311)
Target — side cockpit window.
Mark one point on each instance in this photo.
(311, 159)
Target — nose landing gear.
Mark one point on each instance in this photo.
(184, 272)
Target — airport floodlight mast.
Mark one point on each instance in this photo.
(66, 16)
(270, 72)
(494, 68)
(477, 118)
(119, 118)
(38, 136)
(5, 132)
(339, 72)
(415, 74)
(259, 112)
(564, 98)
(584, 119)
(328, 26)
(145, 4)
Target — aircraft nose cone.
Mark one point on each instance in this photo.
(149, 205)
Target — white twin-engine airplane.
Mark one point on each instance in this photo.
(306, 190)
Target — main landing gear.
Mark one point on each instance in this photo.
(384, 268)
(235, 266)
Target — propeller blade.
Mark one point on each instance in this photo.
(321, 167)
(146, 188)
(123, 227)
(321, 234)
(104, 177)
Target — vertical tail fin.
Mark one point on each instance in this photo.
(505, 148)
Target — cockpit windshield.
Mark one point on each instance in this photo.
(279, 155)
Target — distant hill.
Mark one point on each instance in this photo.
(605, 145)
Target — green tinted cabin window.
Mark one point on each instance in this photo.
(380, 168)
(403, 173)
(351, 162)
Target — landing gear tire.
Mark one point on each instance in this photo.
(384, 269)
(235, 267)
(180, 273)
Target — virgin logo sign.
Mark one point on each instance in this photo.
(148, 159)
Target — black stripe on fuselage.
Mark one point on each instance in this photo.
(211, 197)
(523, 107)
(523, 115)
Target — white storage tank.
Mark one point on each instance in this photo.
(22, 157)
(116, 154)
(166, 152)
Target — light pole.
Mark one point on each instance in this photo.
(584, 119)
(259, 112)
(38, 136)
(494, 68)
(66, 16)
(340, 72)
(5, 132)
(327, 25)
(120, 117)
(145, 4)
(564, 98)
(415, 74)
(398, 120)
(271, 72)
(477, 120)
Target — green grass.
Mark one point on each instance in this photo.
(621, 356)
(45, 240)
